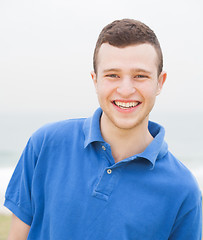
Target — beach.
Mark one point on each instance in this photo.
(5, 221)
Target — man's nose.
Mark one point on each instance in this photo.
(126, 87)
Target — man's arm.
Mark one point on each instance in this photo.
(19, 230)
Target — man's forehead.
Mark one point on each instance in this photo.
(143, 53)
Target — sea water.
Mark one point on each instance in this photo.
(183, 134)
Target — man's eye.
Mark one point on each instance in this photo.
(140, 76)
(112, 75)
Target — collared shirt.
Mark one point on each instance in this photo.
(67, 186)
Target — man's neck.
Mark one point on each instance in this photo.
(126, 142)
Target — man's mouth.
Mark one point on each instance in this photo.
(126, 105)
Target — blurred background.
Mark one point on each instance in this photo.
(46, 49)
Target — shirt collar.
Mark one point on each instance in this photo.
(91, 128)
(158, 147)
(155, 150)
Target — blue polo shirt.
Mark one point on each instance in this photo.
(67, 186)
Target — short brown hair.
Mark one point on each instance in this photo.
(125, 32)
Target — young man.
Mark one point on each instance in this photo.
(110, 176)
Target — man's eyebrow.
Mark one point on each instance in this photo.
(111, 70)
(141, 70)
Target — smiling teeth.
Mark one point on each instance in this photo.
(126, 104)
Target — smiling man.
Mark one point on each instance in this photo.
(110, 176)
(127, 82)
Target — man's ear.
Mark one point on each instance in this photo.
(94, 78)
(161, 81)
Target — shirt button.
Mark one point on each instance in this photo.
(109, 171)
(103, 148)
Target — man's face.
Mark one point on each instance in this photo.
(127, 84)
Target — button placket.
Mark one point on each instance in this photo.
(105, 185)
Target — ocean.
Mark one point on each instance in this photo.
(183, 134)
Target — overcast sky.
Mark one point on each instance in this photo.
(46, 50)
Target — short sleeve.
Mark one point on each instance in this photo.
(189, 226)
(18, 197)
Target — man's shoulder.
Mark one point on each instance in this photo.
(181, 177)
(177, 166)
(57, 131)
